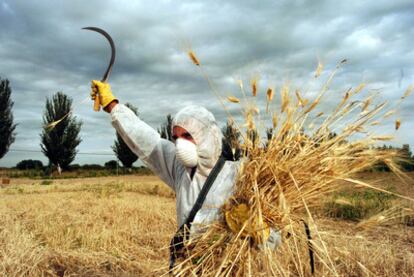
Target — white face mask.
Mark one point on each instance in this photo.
(186, 152)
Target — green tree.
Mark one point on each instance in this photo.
(121, 149)
(269, 137)
(112, 164)
(29, 164)
(269, 134)
(253, 136)
(165, 130)
(7, 134)
(60, 135)
(231, 142)
(407, 162)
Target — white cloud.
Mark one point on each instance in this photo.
(363, 39)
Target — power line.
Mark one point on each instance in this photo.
(78, 153)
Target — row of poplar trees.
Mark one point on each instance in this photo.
(60, 132)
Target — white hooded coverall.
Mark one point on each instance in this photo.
(160, 156)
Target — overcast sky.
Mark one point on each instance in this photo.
(43, 50)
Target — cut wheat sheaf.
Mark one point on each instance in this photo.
(281, 181)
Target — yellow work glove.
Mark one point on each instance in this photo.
(104, 93)
(239, 217)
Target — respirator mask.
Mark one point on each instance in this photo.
(186, 152)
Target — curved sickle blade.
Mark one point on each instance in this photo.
(111, 42)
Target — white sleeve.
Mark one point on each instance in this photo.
(157, 153)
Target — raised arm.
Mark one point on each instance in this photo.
(157, 153)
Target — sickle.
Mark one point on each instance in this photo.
(105, 77)
(111, 42)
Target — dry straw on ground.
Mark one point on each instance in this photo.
(121, 226)
(283, 179)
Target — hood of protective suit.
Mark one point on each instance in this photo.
(202, 126)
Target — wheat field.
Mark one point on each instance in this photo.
(121, 226)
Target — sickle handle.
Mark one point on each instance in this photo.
(96, 103)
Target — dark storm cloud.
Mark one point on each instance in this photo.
(43, 51)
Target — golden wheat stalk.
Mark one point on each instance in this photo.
(53, 124)
(233, 99)
(193, 57)
(253, 83)
(269, 95)
(284, 179)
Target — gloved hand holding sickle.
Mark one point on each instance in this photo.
(101, 90)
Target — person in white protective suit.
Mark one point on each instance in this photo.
(184, 164)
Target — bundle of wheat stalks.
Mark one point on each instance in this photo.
(307, 156)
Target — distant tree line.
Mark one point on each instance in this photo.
(38, 165)
(406, 159)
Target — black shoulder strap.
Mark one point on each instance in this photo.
(177, 242)
(204, 191)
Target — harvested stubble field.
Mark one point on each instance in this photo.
(121, 226)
